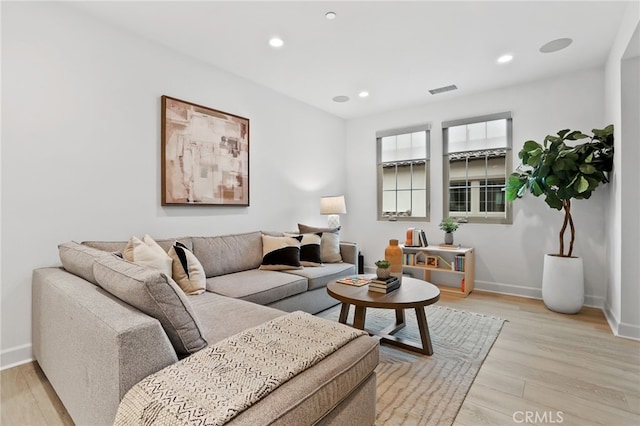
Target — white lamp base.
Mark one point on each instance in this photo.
(333, 221)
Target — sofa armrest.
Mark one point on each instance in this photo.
(92, 346)
(349, 252)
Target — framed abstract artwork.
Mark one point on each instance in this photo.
(205, 155)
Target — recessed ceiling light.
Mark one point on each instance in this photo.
(340, 98)
(505, 58)
(276, 42)
(555, 45)
(330, 15)
(363, 94)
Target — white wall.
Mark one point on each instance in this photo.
(508, 257)
(81, 147)
(623, 254)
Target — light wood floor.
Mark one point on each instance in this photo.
(544, 368)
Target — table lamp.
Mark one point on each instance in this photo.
(333, 206)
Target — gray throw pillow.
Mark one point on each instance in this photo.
(78, 259)
(329, 243)
(152, 292)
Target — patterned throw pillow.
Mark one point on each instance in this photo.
(187, 269)
(147, 252)
(280, 253)
(330, 245)
(310, 251)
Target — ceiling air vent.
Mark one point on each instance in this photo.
(443, 89)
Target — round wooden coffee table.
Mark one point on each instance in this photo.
(413, 293)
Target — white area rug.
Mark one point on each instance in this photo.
(416, 389)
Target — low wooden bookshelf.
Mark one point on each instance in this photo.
(446, 260)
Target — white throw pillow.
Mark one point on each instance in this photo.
(187, 270)
(147, 252)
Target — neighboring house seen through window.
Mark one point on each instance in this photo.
(403, 173)
(477, 163)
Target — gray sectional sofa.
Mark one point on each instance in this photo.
(94, 346)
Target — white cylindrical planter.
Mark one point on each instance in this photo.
(563, 283)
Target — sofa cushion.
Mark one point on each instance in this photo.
(187, 270)
(155, 294)
(147, 252)
(280, 253)
(320, 276)
(306, 397)
(310, 252)
(119, 246)
(330, 243)
(222, 316)
(257, 286)
(78, 259)
(228, 253)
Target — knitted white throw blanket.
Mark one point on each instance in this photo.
(215, 384)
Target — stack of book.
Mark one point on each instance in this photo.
(416, 238)
(384, 285)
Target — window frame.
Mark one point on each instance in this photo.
(380, 166)
(507, 217)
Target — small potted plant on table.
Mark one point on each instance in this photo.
(383, 271)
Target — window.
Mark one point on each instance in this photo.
(403, 173)
(477, 163)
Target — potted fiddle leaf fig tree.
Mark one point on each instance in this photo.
(562, 173)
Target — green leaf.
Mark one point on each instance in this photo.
(552, 181)
(514, 179)
(576, 134)
(581, 185)
(533, 160)
(532, 146)
(512, 193)
(587, 169)
(553, 201)
(558, 165)
(562, 133)
(536, 189)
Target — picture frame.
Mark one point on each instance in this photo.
(432, 261)
(204, 155)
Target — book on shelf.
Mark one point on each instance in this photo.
(409, 241)
(459, 262)
(416, 238)
(386, 289)
(354, 280)
(410, 259)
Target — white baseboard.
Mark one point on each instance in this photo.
(530, 292)
(621, 329)
(16, 356)
(628, 331)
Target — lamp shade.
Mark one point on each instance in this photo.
(333, 205)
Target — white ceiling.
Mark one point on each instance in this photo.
(395, 50)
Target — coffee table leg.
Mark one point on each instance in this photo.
(359, 318)
(399, 316)
(424, 331)
(344, 312)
